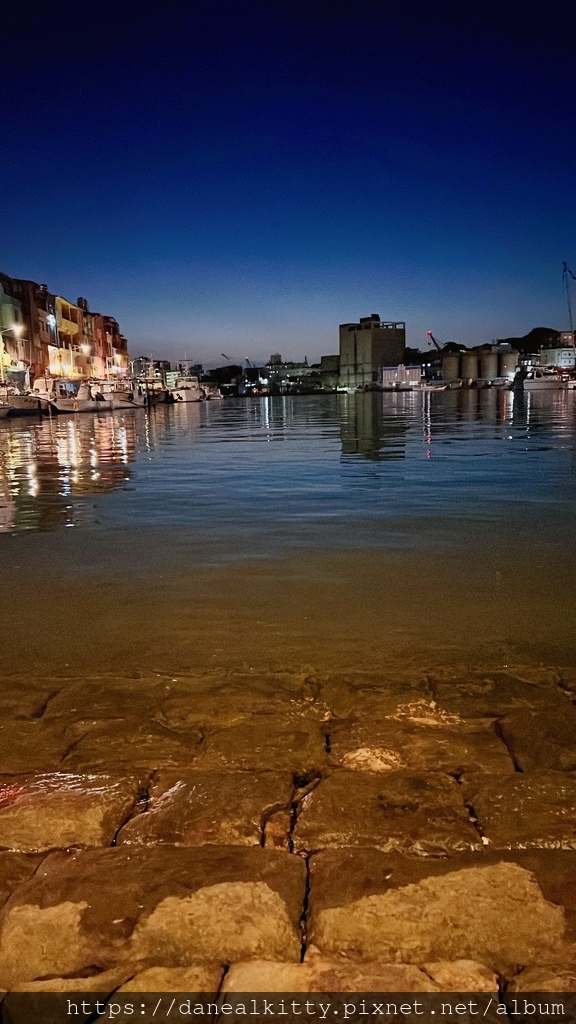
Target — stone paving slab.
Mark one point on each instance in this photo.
(389, 745)
(33, 745)
(26, 698)
(542, 739)
(236, 698)
(365, 694)
(153, 907)
(15, 868)
(197, 809)
(494, 694)
(524, 810)
(103, 697)
(264, 743)
(131, 746)
(319, 975)
(544, 979)
(417, 813)
(505, 911)
(58, 810)
(198, 978)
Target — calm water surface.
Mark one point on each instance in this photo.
(325, 531)
(285, 470)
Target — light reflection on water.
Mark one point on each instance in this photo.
(240, 467)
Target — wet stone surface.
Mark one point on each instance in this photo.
(543, 739)
(525, 810)
(266, 743)
(59, 810)
(159, 907)
(396, 810)
(409, 830)
(391, 744)
(503, 911)
(209, 808)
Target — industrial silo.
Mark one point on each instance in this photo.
(450, 366)
(489, 365)
(508, 363)
(469, 369)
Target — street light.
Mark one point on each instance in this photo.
(15, 329)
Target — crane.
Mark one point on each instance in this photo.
(433, 339)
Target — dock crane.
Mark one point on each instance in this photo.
(433, 339)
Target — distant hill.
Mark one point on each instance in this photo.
(535, 340)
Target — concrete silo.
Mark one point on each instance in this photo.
(451, 366)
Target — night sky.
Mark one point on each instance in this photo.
(242, 178)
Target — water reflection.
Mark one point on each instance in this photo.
(243, 465)
(49, 468)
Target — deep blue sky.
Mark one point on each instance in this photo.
(242, 177)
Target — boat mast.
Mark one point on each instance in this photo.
(566, 275)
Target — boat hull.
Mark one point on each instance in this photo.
(123, 402)
(188, 395)
(24, 405)
(74, 405)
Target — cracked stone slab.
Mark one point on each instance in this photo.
(154, 907)
(405, 811)
(234, 699)
(24, 698)
(503, 911)
(523, 811)
(542, 739)
(34, 745)
(495, 694)
(59, 810)
(208, 808)
(264, 743)
(15, 869)
(128, 745)
(390, 744)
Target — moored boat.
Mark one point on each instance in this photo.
(187, 389)
(88, 398)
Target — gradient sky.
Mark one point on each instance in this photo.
(243, 177)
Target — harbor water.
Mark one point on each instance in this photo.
(325, 530)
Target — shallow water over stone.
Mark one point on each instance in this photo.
(297, 676)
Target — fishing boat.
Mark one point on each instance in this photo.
(187, 389)
(87, 398)
(539, 380)
(124, 394)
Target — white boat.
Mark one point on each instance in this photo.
(430, 386)
(125, 394)
(88, 398)
(212, 392)
(132, 399)
(187, 389)
(539, 380)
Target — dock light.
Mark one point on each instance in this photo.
(17, 328)
(85, 349)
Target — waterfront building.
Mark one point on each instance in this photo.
(367, 347)
(12, 332)
(46, 334)
(561, 355)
